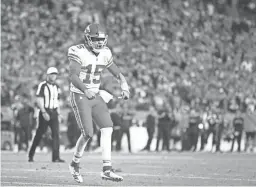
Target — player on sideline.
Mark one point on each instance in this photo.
(87, 61)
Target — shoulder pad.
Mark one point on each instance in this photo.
(77, 47)
(109, 56)
(73, 53)
(106, 48)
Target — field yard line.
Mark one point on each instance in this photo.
(29, 183)
(214, 178)
(141, 166)
(145, 157)
(145, 175)
(132, 157)
(33, 183)
(15, 177)
(135, 156)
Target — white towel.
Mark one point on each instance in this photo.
(105, 96)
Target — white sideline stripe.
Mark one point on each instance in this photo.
(142, 166)
(16, 177)
(33, 184)
(142, 175)
(213, 178)
(160, 158)
(29, 183)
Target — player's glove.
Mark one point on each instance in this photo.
(89, 94)
(125, 94)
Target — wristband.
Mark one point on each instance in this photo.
(124, 85)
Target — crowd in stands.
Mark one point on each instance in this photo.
(172, 52)
(183, 47)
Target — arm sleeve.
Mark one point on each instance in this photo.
(73, 54)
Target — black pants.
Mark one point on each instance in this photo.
(216, 137)
(237, 137)
(163, 133)
(150, 138)
(204, 136)
(119, 142)
(42, 128)
(115, 138)
(193, 136)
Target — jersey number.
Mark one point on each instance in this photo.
(95, 74)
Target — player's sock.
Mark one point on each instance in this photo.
(79, 149)
(76, 159)
(107, 165)
(105, 143)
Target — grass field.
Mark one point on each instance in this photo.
(160, 169)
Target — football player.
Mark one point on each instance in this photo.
(87, 62)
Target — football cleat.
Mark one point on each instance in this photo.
(74, 170)
(110, 175)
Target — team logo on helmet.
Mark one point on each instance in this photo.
(88, 29)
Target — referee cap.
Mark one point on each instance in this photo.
(52, 70)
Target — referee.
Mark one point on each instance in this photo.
(48, 103)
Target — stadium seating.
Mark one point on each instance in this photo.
(161, 45)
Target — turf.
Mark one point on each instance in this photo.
(151, 169)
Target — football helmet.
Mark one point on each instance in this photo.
(95, 37)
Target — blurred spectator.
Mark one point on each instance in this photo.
(250, 129)
(203, 130)
(150, 124)
(179, 59)
(219, 127)
(238, 126)
(181, 115)
(126, 118)
(191, 49)
(173, 134)
(117, 122)
(164, 124)
(193, 130)
(211, 120)
(73, 131)
(24, 122)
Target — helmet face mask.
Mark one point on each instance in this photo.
(95, 38)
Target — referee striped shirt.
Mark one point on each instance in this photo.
(50, 93)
